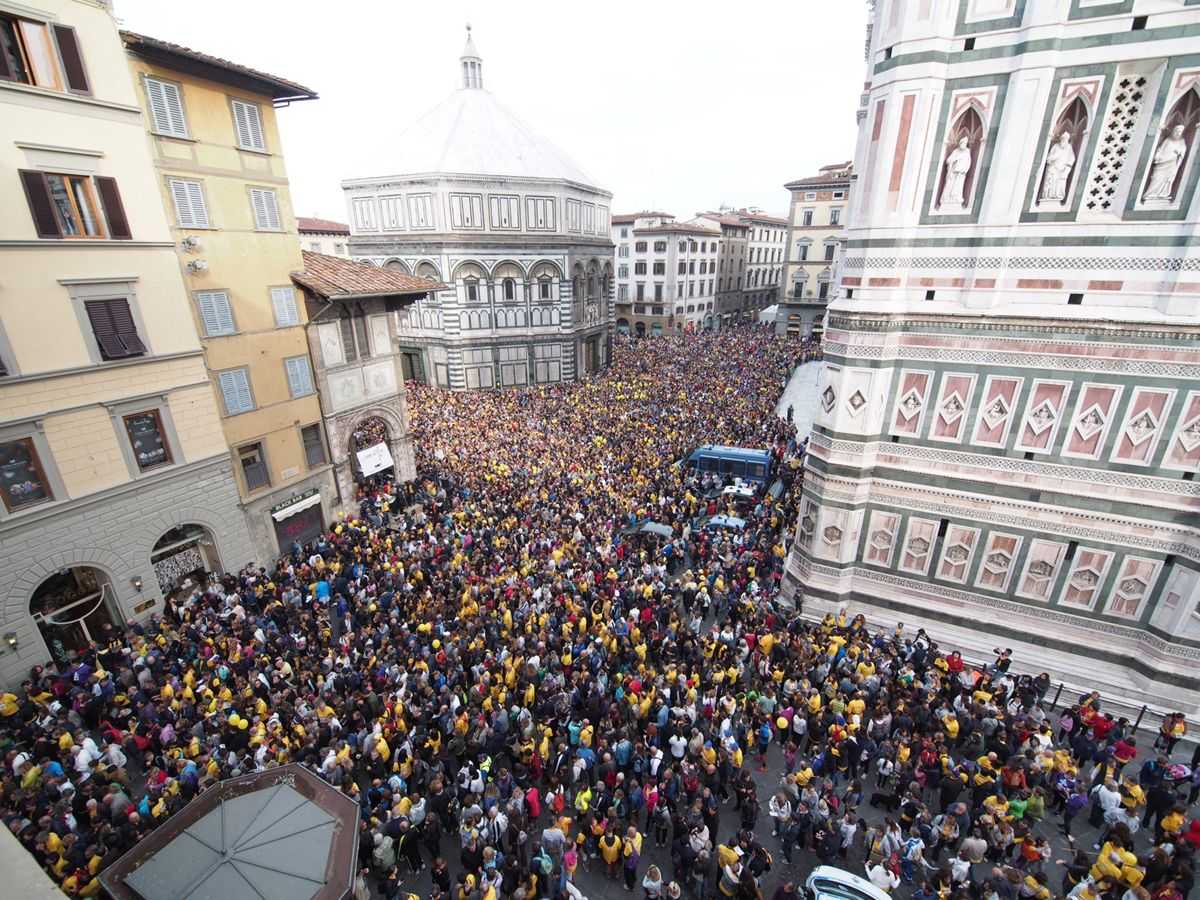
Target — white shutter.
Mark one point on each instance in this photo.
(248, 121)
(283, 301)
(215, 313)
(266, 210)
(235, 391)
(166, 108)
(299, 376)
(190, 210)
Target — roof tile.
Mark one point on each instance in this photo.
(333, 277)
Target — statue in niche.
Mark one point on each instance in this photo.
(1059, 163)
(1167, 160)
(958, 167)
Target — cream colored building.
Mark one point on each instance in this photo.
(324, 236)
(221, 176)
(115, 481)
(816, 223)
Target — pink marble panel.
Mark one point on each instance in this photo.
(951, 410)
(1143, 425)
(910, 406)
(1093, 416)
(997, 410)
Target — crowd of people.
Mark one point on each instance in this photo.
(518, 686)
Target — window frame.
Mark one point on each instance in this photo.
(262, 128)
(32, 432)
(93, 201)
(175, 179)
(320, 431)
(226, 412)
(251, 190)
(205, 333)
(159, 405)
(84, 291)
(261, 448)
(53, 32)
(275, 311)
(178, 86)
(287, 374)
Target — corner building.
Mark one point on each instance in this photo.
(115, 481)
(517, 232)
(1009, 411)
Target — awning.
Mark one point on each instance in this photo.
(299, 506)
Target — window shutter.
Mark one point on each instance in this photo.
(235, 392)
(190, 210)
(166, 108)
(126, 330)
(40, 206)
(299, 376)
(100, 315)
(72, 60)
(114, 211)
(266, 210)
(215, 313)
(248, 122)
(283, 300)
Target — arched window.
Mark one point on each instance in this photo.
(472, 290)
(544, 287)
(510, 289)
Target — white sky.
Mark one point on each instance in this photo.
(670, 105)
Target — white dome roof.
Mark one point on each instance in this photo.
(472, 133)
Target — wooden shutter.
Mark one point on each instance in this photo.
(38, 195)
(235, 391)
(100, 315)
(215, 313)
(248, 121)
(299, 376)
(72, 60)
(190, 209)
(283, 299)
(126, 330)
(166, 108)
(114, 211)
(266, 210)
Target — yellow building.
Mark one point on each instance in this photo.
(816, 223)
(115, 479)
(221, 176)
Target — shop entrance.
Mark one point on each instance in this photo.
(370, 450)
(185, 553)
(72, 608)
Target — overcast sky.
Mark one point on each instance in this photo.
(669, 105)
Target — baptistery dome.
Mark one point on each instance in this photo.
(518, 233)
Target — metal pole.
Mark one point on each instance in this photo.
(1057, 694)
(1138, 723)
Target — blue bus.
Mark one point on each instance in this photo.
(754, 466)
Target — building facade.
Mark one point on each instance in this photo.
(351, 321)
(115, 483)
(767, 239)
(1009, 425)
(517, 233)
(816, 225)
(732, 256)
(220, 174)
(666, 274)
(324, 236)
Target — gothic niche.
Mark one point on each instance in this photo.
(1058, 174)
(1171, 155)
(964, 142)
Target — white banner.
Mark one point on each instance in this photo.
(374, 459)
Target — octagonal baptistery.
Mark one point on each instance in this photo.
(517, 232)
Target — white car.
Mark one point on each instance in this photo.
(832, 883)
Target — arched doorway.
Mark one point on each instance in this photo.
(640, 328)
(75, 608)
(370, 449)
(185, 553)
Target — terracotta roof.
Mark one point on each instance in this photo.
(724, 219)
(682, 227)
(333, 277)
(203, 65)
(324, 226)
(626, 218)
(762, 217)
(828, 176)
